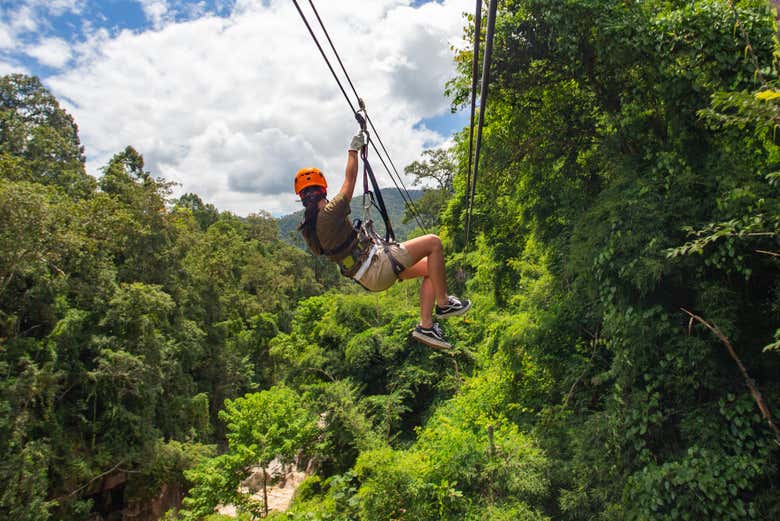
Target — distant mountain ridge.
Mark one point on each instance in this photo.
(288, 224)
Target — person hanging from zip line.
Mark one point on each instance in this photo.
(370, 260)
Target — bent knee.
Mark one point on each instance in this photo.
(434, 242)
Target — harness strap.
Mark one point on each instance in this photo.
(366, 263)
(378, 243)
(368, 174)
(394, 263)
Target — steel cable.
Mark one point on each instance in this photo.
(474, 75)
(482, 105)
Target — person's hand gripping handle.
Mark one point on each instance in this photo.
(358, 141)
(361, 138)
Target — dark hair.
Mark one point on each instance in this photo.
(311, 198)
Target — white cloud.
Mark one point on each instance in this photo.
(59, 7)
(156, 11)
(11, 68)
(27, 15)
(195, 9)
(23, 19)
(231, 107)
(54, 52)
(30, 16)
(6, 37)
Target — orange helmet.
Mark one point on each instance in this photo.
(307, 177)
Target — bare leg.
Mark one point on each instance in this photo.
(427, 299)
(428, 248)
(427, 294)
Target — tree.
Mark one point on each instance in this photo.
(38, 140)
(34, 238)
(205, 214)
(263, 228)
(142, 234)
(617, 132)
(437, 166)
(136, 331)
(260, 427)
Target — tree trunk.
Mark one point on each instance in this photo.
(265, 492)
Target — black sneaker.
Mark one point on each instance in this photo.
(432, 337)
(454, 307)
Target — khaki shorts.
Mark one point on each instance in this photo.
(379, 276)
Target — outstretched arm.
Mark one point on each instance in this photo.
(350, 176)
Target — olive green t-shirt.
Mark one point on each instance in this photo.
(334, 227)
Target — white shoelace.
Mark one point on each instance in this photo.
(437, 329)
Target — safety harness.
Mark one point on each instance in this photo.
(373, 198)
(369, 242)
(362, 244)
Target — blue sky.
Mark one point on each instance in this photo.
(218, 94)
(75, 20)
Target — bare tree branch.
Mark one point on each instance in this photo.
(88, 483)
(748, 381)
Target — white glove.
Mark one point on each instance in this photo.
(359, 141)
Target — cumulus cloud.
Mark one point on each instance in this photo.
(231, 107)
(53, 52)
(6, 37)
(26, 22)
(253, 161)
(11, 68)
(156, 11)
(28, 15)
(195, 9)
(23, 19)
(59, 7)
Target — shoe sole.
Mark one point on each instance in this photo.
(431, 342)
(457, 313)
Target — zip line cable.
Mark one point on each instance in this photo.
(412, 206)
(378, 203)
(333, 47)
(324, 56)
(474, 72)
(483, 96)
(404, 193)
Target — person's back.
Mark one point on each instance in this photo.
(333, 232)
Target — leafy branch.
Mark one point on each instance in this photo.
(749, 228)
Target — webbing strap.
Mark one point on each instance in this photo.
(366, 263)
(394, 263)
(368, 175)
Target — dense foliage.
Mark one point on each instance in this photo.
(629, 173)
(125, 322)
(624, 277)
